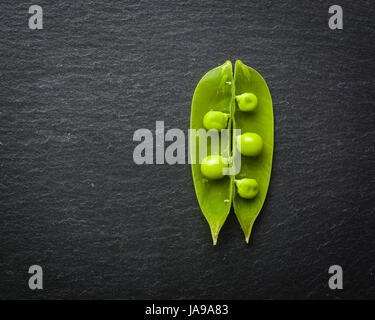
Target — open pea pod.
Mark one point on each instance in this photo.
(245, 104)
(214, 93)
(255, 123)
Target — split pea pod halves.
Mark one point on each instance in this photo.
(221, 103)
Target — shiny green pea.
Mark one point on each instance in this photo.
(247, 101)
(212, 167)
(215, 120)
(251, 144)
(247, 188)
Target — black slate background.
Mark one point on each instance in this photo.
(73, 201)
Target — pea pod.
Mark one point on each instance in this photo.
(245, 104)
(259, 123)
(214, 92)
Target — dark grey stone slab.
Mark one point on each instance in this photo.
(73, 201)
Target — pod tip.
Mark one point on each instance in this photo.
(247, 238)
(214, 240)
(214, 234)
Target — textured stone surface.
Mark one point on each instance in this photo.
(73, 201)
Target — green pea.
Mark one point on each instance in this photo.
(247, 188)
(251, 144)
(212, 167)
(247, 101)
(215, 120)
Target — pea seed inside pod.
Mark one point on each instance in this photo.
(250, 144)
(212, 167)
(247, 101)
(247, 188)
(215, 120)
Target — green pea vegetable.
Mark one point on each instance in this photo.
(215, 120)
(247, 188)
(251, 144)
(241, 103)
(212, 167)
(247, 101)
